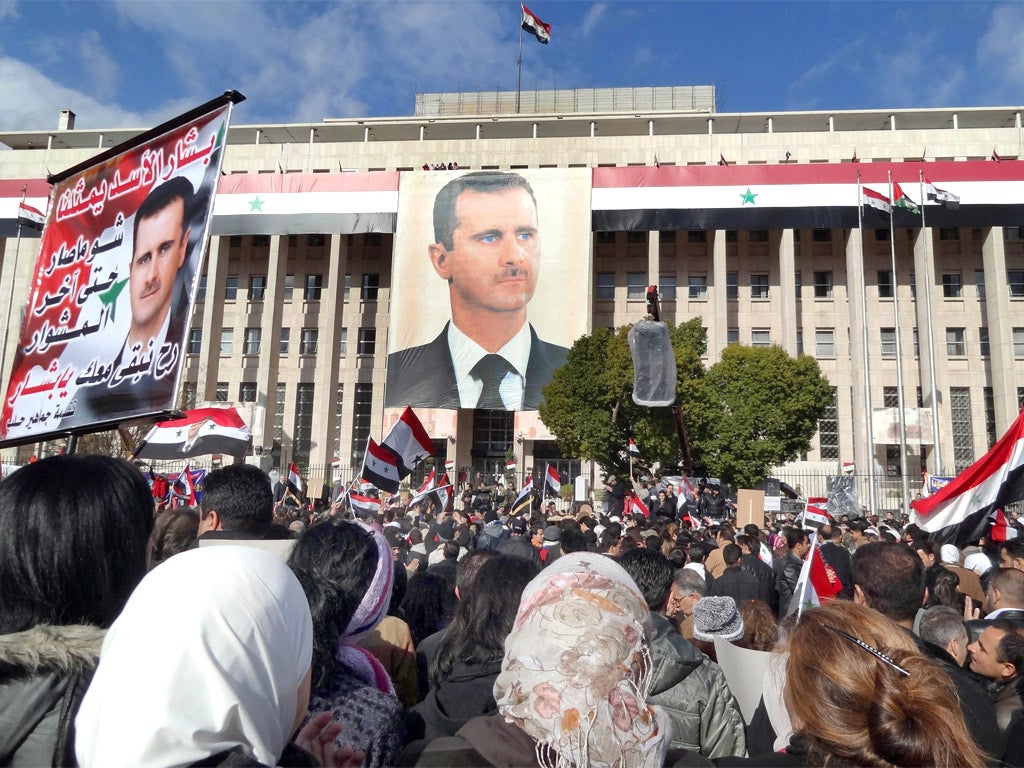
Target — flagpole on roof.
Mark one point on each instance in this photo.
(864, 343)
(519, 65)
(932, 386)
(899, 356)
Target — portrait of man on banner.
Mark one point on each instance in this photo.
(497, 263)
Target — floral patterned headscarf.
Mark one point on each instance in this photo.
(576, 671)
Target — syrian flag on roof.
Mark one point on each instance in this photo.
(203, 431)
(535, 26)
(31, 217)
(409, 442)
(960, 512)
(380, 467)
(933, 193)
(900, 199)
(875, 200)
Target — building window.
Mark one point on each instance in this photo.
(636, 238)
(221, 393)
(732, 336)
(821, 235)
(917, 343)
(983, 341)
(667, 236)
(247, 392)
(759, 286)
(885, 288)
(823, 285)
(261, 241)
(761, 337)
(698, 285)
(367, 343)
(371, 284)
(892, 460)
(343, 342)
(348, 287)
(888, 342)
(757, 236)
(825, 342)
(667, 286)
(636, 286)
(289, 287)
(307, 342)
(251, 343)
(828, 429)
(732, 285)
(979, 283)
(949, 233)
(604, 238)
(605, 285)
(1018, 342)
(257, 287)
(798, 284)
(314, 287)
(799, 342)
(302, 432)
(990, 416)
(963, 432)
(956, 342)
(696, 236)
(1015, 280)
(952, 287)
(195, 340)
(282, 392)
(286, 337)
(227, 341)
(881, 235)
(231, 288)
(201, 289)
(890, 397)
(362, 411)
(316, 240)
(731, 236)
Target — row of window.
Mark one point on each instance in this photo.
(823, 285)
(312, 290)
(252, 338)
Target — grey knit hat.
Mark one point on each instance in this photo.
(717, 617)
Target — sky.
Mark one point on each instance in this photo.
(135, 63)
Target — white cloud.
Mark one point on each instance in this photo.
(97, 64)
(591, 18)
(1001, 48)
(7, 8)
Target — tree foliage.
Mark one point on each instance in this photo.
(755, 409)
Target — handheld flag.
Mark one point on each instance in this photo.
(295, 486)
(380, 467)
(364, 505)
(443, 492)
(632, 449)
(202, 431)
(421, 493)
(553, 481)
(524, 500)
(183, 489)
(409, 442)
(814, 586)
(535, 26)
(635, 504)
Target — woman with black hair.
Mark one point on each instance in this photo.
(73, 533)
(346, 570)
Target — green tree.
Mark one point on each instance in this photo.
(758, 408)
(589, 407)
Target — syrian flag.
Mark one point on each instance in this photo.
(632, 449)
(30, 217)
(1001, 530)
(443, 491)
(295, 486)
(535, 26)
(409, 442)
(959, 513)
(900, 199)
(380, 467)
(364, 505)
(814, 586)
(933, 193)
(875, 200)
(524, 501)
(816, 512)
(449, 465)
(510, 466)
(635, 504)
(421, 493)
(203, 431)
(552, 480)
(183, 488)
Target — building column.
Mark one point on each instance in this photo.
(930, 365)
(787, 289)
(270, 349)
(719, 331)
(859, 378)
(654, 260)
(213, 318)
(328, 358)
(1000, 330)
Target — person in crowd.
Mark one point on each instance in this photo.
(208, 663)
(715, 563)
(968, 582)
(787, 568)
(687, 685)
(1011, 554)
(574, 680)
(943, 628)
(733, 581)
(469, 656)
(752, 564)
(1004, 599)
(836, 555)
(998, 656)
(688, 586)
(760, 628)
(346, 570)
(860, 693)
(715, 617)
(889, 577)
(71, 552)
(929, 552)
(391, 642)
(238, 503)
(174, 531)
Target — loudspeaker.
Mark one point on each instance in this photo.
(654, 364)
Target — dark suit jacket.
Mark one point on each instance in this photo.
(424, 376)
(839, 558)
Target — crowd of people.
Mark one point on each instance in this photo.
(249, 632)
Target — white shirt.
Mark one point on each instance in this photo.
(466, 353)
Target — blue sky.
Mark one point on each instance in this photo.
(134, 63)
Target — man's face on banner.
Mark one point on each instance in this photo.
(158, 253)
(495, 255)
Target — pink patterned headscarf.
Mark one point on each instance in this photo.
(576, 671)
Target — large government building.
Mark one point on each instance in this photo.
(322, 262)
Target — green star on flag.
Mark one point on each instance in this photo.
(748, 197)
(109, 298)
(256, 204)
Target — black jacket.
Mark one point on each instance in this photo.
(839, 558)
(737, 584)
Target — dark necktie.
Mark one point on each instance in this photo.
(490, 370)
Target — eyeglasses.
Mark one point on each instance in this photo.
(873, 651)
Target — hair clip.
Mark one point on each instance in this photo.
(873, 651)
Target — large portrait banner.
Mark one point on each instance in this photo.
(489, 288)
(103, 331)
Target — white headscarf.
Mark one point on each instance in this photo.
(208, 654)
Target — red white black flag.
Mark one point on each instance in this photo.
(203, 431)
(535, 26)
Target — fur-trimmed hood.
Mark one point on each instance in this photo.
(50, 649)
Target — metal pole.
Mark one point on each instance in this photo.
(868, 421)
(519, 67)
(899, 357)
(934, 394)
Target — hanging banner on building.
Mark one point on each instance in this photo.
(490, 271)
(103, 331)
(885, 423)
